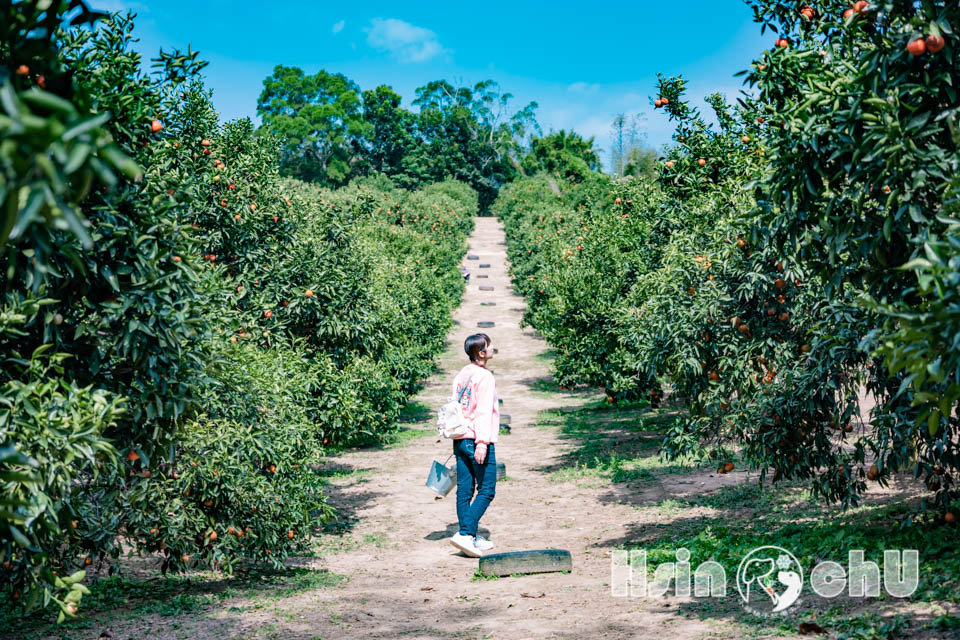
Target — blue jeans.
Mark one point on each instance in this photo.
(470, 474)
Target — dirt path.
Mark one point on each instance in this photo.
(410, 582)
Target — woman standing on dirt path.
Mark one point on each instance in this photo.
(476, 459)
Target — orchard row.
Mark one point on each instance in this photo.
(185, 333)
(787, 268)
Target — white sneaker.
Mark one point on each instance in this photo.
(465, 544)
(482, 543)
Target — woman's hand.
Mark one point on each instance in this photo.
(480, 452)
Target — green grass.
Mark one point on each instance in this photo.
(117, 598)
(739, 518)
(611, 444)
(618, 445)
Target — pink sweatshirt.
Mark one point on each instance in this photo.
(480, 404)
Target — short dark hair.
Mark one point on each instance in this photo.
(474, 344)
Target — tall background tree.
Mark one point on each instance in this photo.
(564, 154)
(629, 155)
(320, 119)
(332, 132)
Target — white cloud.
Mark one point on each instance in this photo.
(404, 41)
(338, 27)
(583, 87)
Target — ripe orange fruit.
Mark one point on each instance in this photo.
(185, 558)
(267, 551)
(309, 293)
(290, 534)
(146, 473)
(205, 142)
(701, 162)
(848, 13)
(873, 473)
(713, 376)
(23, 70)
(153, 532)
(609, 399)
(208, 502)
(917, 47)
(782, 43)
(236, 217)
(176, 258)
(669, 164)
(156, 126)
(657, 103)
(860, 6)
(206, 152)
(807, 12)
(780, 283)
(745, 139)
(273, 468)
(268, 314)
(42, 82)
(616, 201)
(728, 467)
(133, 456)
(783, 317)
(664, 101)
(253, 206)
(950, 517)
(935, 44)
(88, 561)
(213, 536)
(231, 186)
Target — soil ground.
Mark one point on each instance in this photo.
(385, 568)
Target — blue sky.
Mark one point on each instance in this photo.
(583, 62)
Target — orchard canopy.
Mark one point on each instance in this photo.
(198, 314)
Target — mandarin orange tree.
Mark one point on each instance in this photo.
(765, 293)
(867, 105)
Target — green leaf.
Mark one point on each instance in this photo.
(933, 422)
(47, 100)
(85, 125)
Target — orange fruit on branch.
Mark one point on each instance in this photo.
(935, 44)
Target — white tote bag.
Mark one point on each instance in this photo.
(451, 423)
